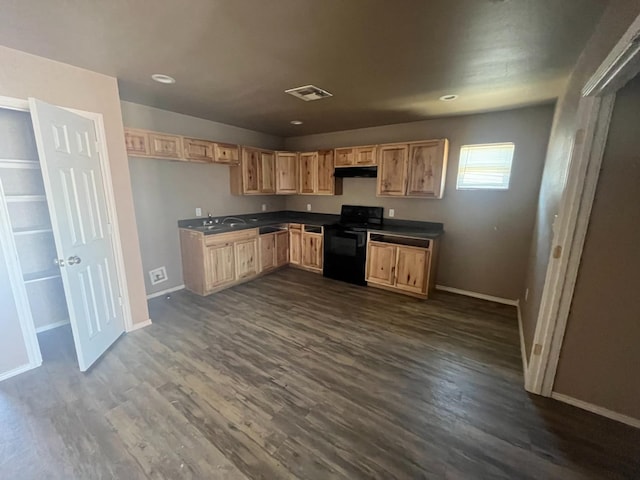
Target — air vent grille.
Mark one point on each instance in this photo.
(308, 93)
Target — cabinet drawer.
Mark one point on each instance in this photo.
(227, 153)
(198, 150)
(230, 236)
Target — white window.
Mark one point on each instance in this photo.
(485, 167)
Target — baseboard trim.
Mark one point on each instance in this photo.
(18, 371)
(523, 349)
(618, 417)
(482, 296)
(138, 326)
(51, 326)
(164, 292)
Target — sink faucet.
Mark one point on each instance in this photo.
(209, 220)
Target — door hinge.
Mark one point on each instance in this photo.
(97, 146)
(537, 349)
(557, 251)
(120, 300)
(110, 228)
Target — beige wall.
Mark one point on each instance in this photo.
(488, 233)
(165, 192)
(23, 75)
(614, 22)
(601, 349)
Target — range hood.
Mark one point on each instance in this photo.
(348, 172)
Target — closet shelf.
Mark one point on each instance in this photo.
(31, 230)
(25, 198)
(40, 276)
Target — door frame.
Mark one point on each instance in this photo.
(593, 120)
(98, 121)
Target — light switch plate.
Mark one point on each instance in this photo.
(392, 212)
(264, 207)
(308, 207)
(198, 212)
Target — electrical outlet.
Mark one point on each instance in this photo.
(392, 212)
(264, 207)
(158, 275)
(198, 212)
(308, 207)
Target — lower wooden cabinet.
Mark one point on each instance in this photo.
(267, 252)
(246, 256)
(312, 251)
(403, 264)
(295, 244)
(282, 248)
(219, 266)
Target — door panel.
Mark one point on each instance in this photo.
(381, 263)
(392, 170)
(345, 157)
(312, 250)
(295, 247)
(286, 173)
(250, 169)
(246, 253)
(326, 181)
(267, 251)
(307, 170)
(411, 269)
(282, 248)
(74, 185)
(425, 169)
(219, 265)
(365, 156)
(267, 172)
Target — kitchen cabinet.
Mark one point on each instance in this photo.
(198, 150)
(220, 267)
(401, 264)
(415, 169)
(356, 156)
(312, 253)
(137, 142)
(295, 244)
(214, 262)
(392, 170)
(227, 154)
(165, 146)
(307, 173)
(246, 253)
(256, 174)
(267, 251)
(282, 248)
(286, 173)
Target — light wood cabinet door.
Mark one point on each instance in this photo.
(365, 156)
(250, 171)
(246, 253)
(312, 250)
(295, 247)
(426, 170)
(381, 263)
(267, 173)
(165, 146)
(267, 251)
(392, 170)
(286, 173)
(307, 173)
(345, 157)
(198, 150)
(282, 248)
(219, 265)
(411, 269)
(326, 183)
(137, 142)
(227, 154)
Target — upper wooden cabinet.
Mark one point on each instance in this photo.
(137, 142)
(198, 150)
(286, 173)
(416, 169)
(165, 146)
(256, 174)
(356, 156)
(308, 173)
(392, 170)
(227, 154)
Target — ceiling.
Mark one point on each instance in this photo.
(384, 61)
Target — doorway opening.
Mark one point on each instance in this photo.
(28, 231)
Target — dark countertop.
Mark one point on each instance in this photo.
(256, 220)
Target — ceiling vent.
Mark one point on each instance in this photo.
(308, 93)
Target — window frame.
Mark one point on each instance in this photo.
(490, 188)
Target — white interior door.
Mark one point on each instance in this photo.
(71, 167)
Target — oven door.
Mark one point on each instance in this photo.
(345, 255)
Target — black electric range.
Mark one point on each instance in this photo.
(345, 243)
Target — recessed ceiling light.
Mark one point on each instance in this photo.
(296, 122)
(162, 78)
(449, 98)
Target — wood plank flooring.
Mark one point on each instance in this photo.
(294, 376)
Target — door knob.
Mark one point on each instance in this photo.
(74, 260)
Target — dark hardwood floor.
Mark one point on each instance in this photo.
(296, 376)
